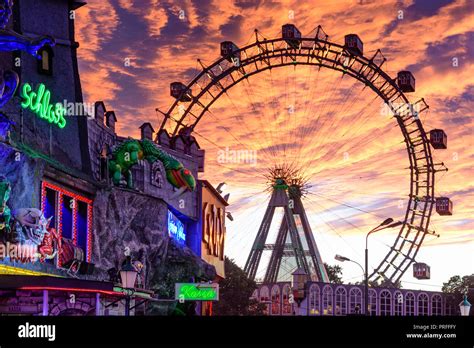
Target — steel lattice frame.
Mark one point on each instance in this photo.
(264, 54)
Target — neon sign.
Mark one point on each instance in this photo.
(196, 292)
(176, 229)
(39, 102)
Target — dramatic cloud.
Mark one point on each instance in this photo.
(350, 150)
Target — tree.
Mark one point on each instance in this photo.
(457, 287)
(334, 273)
(235, 292)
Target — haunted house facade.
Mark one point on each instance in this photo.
(56, 182)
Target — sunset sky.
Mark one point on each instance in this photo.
(350, 148)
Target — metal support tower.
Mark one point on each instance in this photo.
(294, 239)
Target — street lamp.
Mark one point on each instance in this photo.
(387, 223)
(343, 259)
(300, 278)
(128, 274)
(465, 306)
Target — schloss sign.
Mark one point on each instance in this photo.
(38, 101)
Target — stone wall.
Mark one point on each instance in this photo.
(128, 219)
(24, 174)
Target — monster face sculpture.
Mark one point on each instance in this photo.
(34, 224)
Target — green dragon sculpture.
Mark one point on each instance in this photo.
(5, 213)
(128, 153)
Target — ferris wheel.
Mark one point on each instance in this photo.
(330, 117)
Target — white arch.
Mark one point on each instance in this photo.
(373, 302)
(314, 300)
(398, 303)
(355, 301)
(265, 297)
(436, 305)
(276, 300)
(423, 303)
(286, 305)
(341, 301)
(385, 303)
(410, 304)
(327, 301)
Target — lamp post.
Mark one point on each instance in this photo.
(128, 274)
(387, 223)
(343, 258)
(465, 306)
(299, 282)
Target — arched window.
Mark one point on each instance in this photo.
(372, 302)
(104, 163)
(45, 64)
(327, 300)
(286, 310)
(385, 303)
(341, 301)
(410, 304)
(436, 305)
(276, 301)
(265, 298)
(423, 304)
(314, 300)
(398, 303)
(355, 301)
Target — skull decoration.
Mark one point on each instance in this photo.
(34, 224)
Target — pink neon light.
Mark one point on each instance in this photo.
(68, 289)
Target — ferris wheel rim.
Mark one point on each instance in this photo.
(265, 58)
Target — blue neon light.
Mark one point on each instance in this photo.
(176, 229)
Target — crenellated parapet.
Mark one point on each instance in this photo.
(184, 143)
(102, 138)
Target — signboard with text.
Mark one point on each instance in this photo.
(176, 229)
(197, 292)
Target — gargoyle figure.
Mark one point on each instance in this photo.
(5, 213)
(128, 153)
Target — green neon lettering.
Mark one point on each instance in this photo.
(36, 107)
(191, 292)
(44, 105)
(60, 112)
(39, 102)
(25, 95)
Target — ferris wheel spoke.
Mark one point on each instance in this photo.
(308, 102)
(251, 174)
(264, 124)
(276, 108)
(335, 147)
(239, 121)
(347, 205)
(328, 224)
